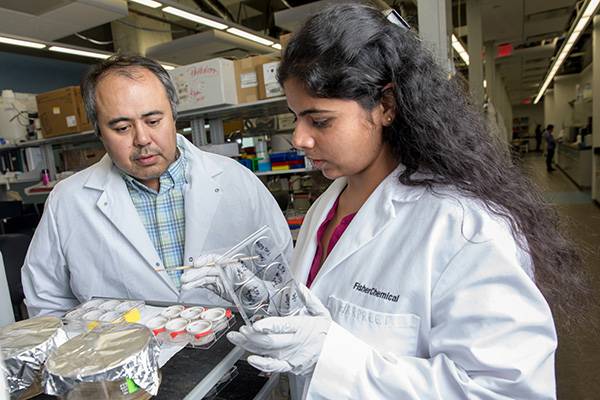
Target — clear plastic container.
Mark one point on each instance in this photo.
(200, 332)
(261, 284)
(88, 315)
(185, 325)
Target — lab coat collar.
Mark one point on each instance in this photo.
(202, 194)
(379, 210)
(195, 159)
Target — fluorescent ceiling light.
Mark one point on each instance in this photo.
(276, 46)
(24, 43)
(581, 24)
(78, 52)
(148, 3)
(250, 36)
(591, 8)
(578, 27)
(167, 67)
(195, 18)
(457, 45)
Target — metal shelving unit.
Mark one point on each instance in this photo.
(287, 171)
(276, 105)
(72, 138)
(46, 146)
(199, 117)
(216, 115)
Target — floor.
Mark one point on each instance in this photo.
(578, 358)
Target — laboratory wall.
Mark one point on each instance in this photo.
(534, 114)
(30, 74)
(570, 103)
(596, 108)
(549, 113)
(504, 109)
(564, 96)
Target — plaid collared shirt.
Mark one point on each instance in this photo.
(163, 213)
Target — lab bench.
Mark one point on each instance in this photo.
(576, 163)
(194, 374)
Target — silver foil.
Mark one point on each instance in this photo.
(25, 346)
(105, 354)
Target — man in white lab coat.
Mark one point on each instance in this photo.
(154, 202)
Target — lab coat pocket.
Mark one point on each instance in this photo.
(397, 334)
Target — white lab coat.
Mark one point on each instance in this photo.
(3, 388)
(455, 315)
(92, 242)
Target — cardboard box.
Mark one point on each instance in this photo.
(233, 126)
(286, 122)
(267, 81)
(246, 77)
(61, 112)
(78, 159)
(205, 84)
(224, 149)
(284, 39)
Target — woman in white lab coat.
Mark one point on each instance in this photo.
(422, 255)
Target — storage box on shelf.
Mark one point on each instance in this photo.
(246, 77)
(205, 84)
(268, 86)
(216, 115)
(61, 112)
(78, 159)
(47, 159)
(286, 122)
(284, 39)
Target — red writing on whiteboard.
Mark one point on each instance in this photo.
(203, 71)
(199, 96)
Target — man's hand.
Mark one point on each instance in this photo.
(203, 276)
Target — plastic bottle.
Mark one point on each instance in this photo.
(262, 152)
(45, 177)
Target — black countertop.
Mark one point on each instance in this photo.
(190, 366)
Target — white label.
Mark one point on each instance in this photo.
(55, 110)
(71, 121)
(273, 89)
(248, 80)
(270, 72)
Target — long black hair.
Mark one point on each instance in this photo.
(351, 51)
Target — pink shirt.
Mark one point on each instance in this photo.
(335, 236)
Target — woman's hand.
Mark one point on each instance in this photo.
(287, 344)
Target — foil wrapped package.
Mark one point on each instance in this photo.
(25, 347)
(111, 361)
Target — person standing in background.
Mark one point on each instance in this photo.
(538, 138)
(550, 147)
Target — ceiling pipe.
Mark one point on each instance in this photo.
(214, 7)
(285, 3)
